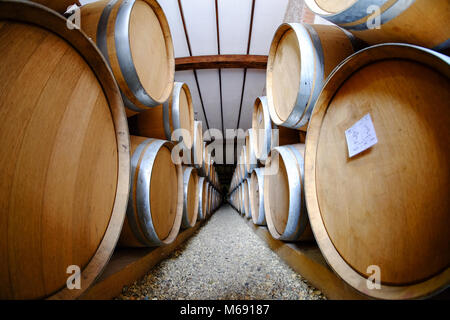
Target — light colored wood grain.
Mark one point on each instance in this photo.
(418, 207)
(150, 43)
(163, 196)
(284, 68)
(254, 196)
(423, 23)
(149, 51)
(333, 6)
(389, 205)
(336, 46)
(205, 198)
(247, 199)
(259, 125)
(197, 145)
(63, 171)
(286, 74)
(276, 194)
(192, 197)
(150, 123)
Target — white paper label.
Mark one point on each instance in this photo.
(361, 136)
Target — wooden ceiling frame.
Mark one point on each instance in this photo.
(221, 61)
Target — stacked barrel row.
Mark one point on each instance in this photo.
(367, 172)
(74, 181)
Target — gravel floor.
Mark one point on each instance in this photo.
(225, 259)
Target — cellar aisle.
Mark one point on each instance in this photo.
(223, 260)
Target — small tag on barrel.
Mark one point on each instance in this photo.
(361, 136)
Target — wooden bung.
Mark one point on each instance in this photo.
(387, 206)
(420, 22)
(190, 202)
(64, 161)
(301, 57)
(284, 200)
(257, 196)
(155, 205)
(267, 134)
(134, 37)
(173, 120)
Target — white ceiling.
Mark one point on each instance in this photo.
(234, 24)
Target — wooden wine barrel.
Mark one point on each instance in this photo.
(243, 162)
(202, 198)
(155, 206)
(250, 142)
(206, 161)
(60, 6)
(173, 120)
(257, 196)
(267, 134)
(135, 39)
(191, 194)
(238, 199)
(284, 199)
(210, 200)
(64, 161)
(238, 196)
(243, 211)
(197, 146)
(420, 22)
(246, 193)
(387, 206)
(301, 57)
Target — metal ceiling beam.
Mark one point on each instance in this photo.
(220, 70)
(221, 61)
(180, 8)
(245, 70)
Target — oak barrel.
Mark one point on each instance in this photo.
(191, 194)
(387, 206)
(250, 143)
(155, 205)
(284, 198)
(134, 37)
(301, 57)
(246, 193)
(202, 198)
(173, 120)
(242, 191)
(64, 161)
(420, 22)
(197, 146)
(267, 134)
(257, 196)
